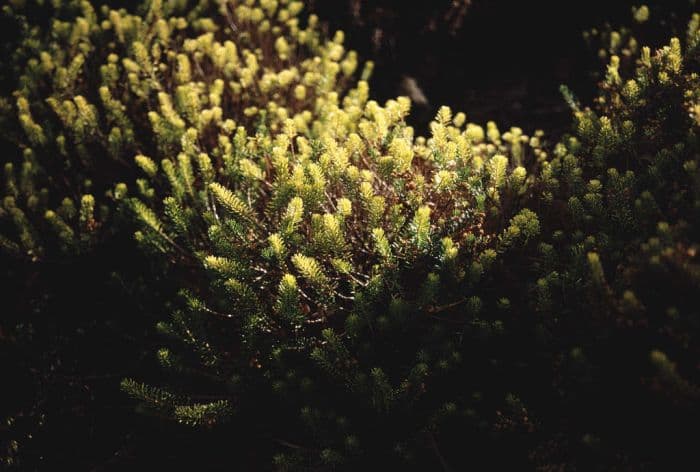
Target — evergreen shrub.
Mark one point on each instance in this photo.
(351, 293)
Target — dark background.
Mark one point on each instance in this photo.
(504, 63)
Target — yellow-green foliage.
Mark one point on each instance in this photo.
(242, 142)
(256, 95)
(271, 113)
(329, 251)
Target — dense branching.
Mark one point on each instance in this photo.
(366, 295)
